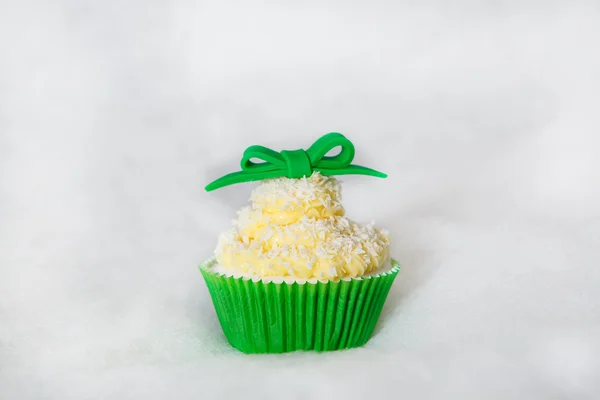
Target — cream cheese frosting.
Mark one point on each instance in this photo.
(298, 228)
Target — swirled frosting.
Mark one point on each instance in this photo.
(298, 228)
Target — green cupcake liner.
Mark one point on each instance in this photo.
(259, 317)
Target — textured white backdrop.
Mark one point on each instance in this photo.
(115, 114)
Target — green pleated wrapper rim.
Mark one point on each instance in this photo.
(259, 317)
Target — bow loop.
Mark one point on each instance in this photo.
(272, 160)
(296, 163)
(317, 152)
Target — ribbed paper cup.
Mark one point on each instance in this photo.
(261, 317)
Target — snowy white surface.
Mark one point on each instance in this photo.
(115, 114)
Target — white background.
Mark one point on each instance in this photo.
(115, 114)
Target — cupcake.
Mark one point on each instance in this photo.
(294, 273)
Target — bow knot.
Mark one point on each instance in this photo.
(296, 163)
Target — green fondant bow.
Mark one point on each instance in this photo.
(296, 163)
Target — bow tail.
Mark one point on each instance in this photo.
(351, 170)
(240, 177)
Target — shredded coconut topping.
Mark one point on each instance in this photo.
(297, 227)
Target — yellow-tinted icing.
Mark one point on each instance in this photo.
(297, 227)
